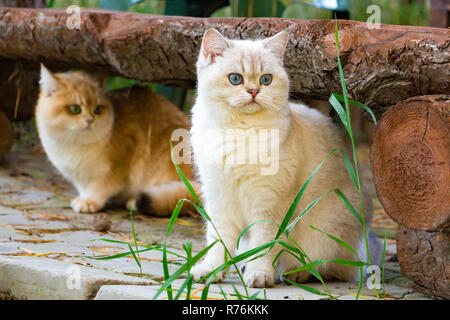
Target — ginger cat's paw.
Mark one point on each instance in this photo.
(85, 206)
(255, 277)
(202, 270)
(131, 205)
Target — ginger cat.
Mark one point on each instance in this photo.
(243, 92)
(111, 146)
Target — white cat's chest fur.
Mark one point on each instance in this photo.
(239, 187)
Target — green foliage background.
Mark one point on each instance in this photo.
(402, 12)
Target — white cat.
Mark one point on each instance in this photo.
(243, 88)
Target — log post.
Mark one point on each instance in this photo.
(410, 157)
(6, 135)
(424, 258)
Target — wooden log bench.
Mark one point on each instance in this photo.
(410, 156)
(403, 70)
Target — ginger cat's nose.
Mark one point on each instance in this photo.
(253, 92)
(89, 121)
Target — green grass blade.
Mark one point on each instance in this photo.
(116, 256)
(183, 286)
(183, 269)
(251, 252)
(255, 295)
(384, 259)
(135, 241)
(173, 218)
(306, 288)
(361, 279)
(236, 292)
(316, 263)
(340, 111)
(305, 211)
(135, 257)
(248, 228)
(339, 241)
(175, 213)
(294, 204)
(184, 179)
(200, 210)
(350, 169)
(349, 206)
(306, 267)
(350, 263)
(205, 292)
(341, 76)
(357, 104)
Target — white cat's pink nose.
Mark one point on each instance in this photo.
(253, 92)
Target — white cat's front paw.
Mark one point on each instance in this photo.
(299, 277)
(85, 206)
(202, 269)
(259, 278)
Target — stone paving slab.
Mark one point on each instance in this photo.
(42, 242)
(38, 278)
(131, 292)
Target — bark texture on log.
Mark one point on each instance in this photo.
(23, 3)
(424, 257)
(410, 157)
(381, 67)
(6, 135)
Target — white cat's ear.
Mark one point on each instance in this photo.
(277, 44)
(48, 81)
(213, 44)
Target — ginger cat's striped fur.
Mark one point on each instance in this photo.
(113, 146)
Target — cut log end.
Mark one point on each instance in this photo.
(6, 135)
(410, 157)
(424, 259)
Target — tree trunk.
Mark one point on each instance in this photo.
(381, 67)
(424, 257)
(6, 135)
(410, 157)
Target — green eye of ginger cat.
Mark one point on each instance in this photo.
(111, 146)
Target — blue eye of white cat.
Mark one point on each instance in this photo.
(266, 79)
(235, 78)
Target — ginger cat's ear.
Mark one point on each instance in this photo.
(101, 79)
(213, 44)
(48, 82)
(277, 44)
